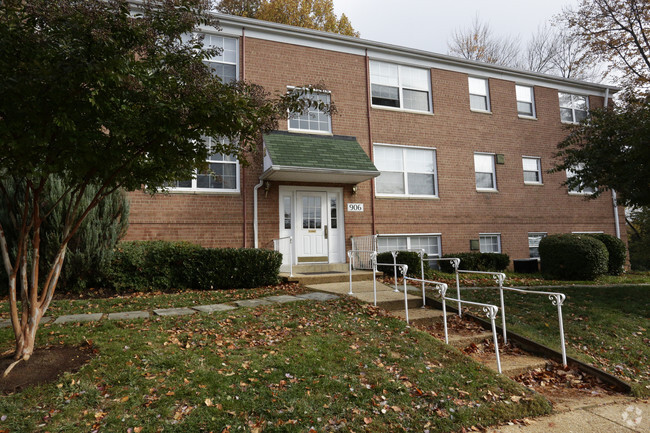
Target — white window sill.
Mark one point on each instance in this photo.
(569, 123)
(486, 190)
(533, 183)
(202, 191)
(526, 117)
(408, 197)
(308, 131)
(580, 193)
(478, 110)
(401, 110)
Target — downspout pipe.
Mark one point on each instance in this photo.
(255, 224)
(615, 203)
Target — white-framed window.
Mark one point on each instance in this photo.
(400, 86)
(479, 94)
(224, 65)
(583, 190)
(490, 242)
(573, 108)
(525, 101)
(533, 243)
(485, 171)
(222, 175)
(430, 243)
(313, 119)
(405, 171)
(532, 169)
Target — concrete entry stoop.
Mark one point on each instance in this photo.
(323, 273)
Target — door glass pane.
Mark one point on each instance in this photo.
(333, 215)
(311, 213)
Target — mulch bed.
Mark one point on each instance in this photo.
(44, 366)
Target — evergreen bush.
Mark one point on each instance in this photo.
(409, 258)
(90, 250)
(487, 262)
(617, 252)
(572, 257)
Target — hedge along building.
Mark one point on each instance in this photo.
(425, 150)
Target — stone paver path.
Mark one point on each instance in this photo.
(183, 311)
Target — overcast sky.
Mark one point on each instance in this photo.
(428, 24)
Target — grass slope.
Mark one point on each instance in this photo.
(604, 326)
(297, 367)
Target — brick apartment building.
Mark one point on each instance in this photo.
(426, 150)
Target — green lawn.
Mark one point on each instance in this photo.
(154, 300)
(604, 326)
(329, 366)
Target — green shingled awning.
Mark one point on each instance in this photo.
(315, 158)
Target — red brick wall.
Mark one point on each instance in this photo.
(460, 213)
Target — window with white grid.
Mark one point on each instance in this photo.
(400, 86)
(313, 119)
(490, 242)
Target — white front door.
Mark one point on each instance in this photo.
(312, 226)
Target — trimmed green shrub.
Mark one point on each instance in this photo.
(163, 265)
(572, 257)
(490, 262)
(617, 252)
(409, 258)
(233, 268)
(153, 265)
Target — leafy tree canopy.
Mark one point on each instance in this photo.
(611, 150)
(618, 33)
(310, 14)
(109, 94)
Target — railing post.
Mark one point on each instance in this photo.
(424, 298)
(394, 254)
(290, 256)
(442, 288)
(492, 314)
(406, 301)
(500, 278)
(373, 262)
(558, 299)
(350, 267)
(456, 264)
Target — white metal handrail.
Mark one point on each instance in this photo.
(421, 252)
(363, 245)
(276, 247)
(490, 310)
(455, 263)
(556, 298)
(373, 263)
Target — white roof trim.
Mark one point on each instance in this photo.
(236, 26)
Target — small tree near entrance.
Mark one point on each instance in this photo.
(108, 94)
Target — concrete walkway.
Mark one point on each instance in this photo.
(614, 417)
(183, 311)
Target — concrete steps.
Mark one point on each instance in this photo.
(420, 316)
(511, 365)
(313, 274)
(463, 341)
